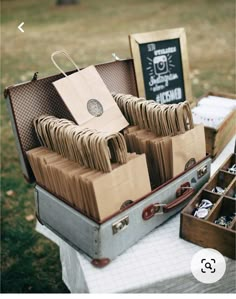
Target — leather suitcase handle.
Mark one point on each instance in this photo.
(185, 196)
(182, 194)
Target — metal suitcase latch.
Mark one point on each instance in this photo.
(201, 171)
(120, 225)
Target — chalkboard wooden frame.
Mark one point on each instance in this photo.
(163, 35)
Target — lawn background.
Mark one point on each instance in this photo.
(91, 32)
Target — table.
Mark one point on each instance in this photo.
(159, 263)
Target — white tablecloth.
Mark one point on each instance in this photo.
(159, 263)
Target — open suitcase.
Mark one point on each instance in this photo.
(102, 241)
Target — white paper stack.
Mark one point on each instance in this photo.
(212, 111)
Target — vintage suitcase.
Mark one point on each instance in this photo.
(102, 242)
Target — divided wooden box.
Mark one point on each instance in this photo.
(205, 232)
(217, 139)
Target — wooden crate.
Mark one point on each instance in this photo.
(205, 232)
(217, 139)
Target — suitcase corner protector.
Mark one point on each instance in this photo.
(100, 263)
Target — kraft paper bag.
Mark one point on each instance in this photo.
(111, 190)
(187, 149)
(88, 147)
(97, 194)
(88, 99)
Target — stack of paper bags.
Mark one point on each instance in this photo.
(88, 147)
(96, 194)
(165, 133)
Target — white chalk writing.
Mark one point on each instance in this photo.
(151, 47)
(163, 79)
(169, 96)
(165, 51)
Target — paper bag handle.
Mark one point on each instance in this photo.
(63, 52)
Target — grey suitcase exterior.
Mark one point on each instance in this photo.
(104, 241)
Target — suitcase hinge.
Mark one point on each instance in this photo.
(116, 57)
(35, 76)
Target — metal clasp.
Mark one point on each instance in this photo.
(201, 171)
(120, 225)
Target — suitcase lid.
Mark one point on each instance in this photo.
(28, 100)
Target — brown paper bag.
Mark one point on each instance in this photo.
(88, 99)
(187, 149)
(129, 181)
(97, 194)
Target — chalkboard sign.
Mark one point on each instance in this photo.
(161, 65)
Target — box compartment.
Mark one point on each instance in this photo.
(222, 179)
(229, 163)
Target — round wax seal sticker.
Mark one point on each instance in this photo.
(201, 213)
(95, 107)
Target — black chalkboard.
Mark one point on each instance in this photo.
(162, 69)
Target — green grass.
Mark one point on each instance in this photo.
(90, 31)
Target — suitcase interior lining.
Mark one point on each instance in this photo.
(35, 98)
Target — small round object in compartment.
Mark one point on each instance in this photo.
(201, 213)
(218, 190)
(232, 169)
(224, 220)
(206, 204)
